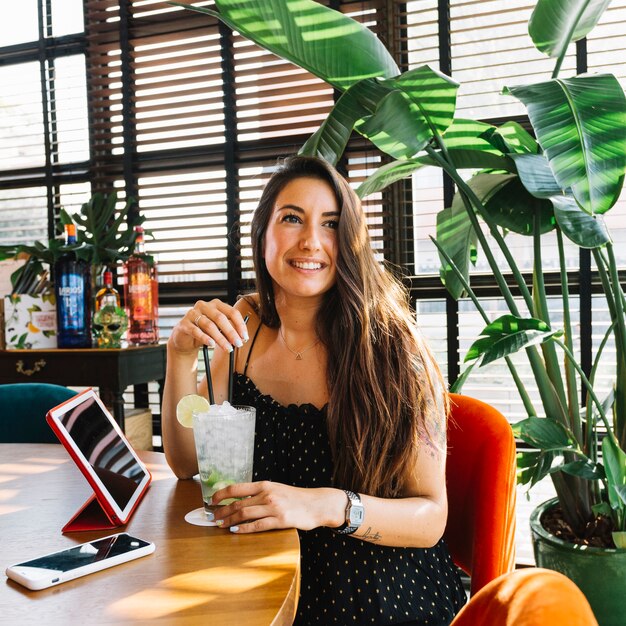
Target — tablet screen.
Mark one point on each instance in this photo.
(93, 433)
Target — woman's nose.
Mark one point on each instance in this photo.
(310, 239)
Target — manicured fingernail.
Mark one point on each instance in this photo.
(246, 337)
(219, 522)
(238, 342)
(230, 348)
(234, 529)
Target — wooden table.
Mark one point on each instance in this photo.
(197, 575)
(112, 370)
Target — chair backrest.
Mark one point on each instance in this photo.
(23, 408)
(481, 490)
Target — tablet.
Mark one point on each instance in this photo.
(98, 447)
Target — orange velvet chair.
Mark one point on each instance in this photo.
(481, 490)
(528, 597)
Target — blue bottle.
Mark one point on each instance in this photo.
(72, 288)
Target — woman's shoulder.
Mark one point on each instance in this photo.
(248, 305)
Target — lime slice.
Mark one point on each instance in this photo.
(187, 405)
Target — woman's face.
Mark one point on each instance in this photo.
(300, 247)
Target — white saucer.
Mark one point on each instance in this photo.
(198, 517)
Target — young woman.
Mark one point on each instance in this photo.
(350, 443)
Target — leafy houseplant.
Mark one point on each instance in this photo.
(102, 237)
(561, 180)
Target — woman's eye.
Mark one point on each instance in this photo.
(334, 224)
(291, 218)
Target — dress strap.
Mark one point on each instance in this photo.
(256, 334)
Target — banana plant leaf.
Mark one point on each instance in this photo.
(325, 42)
(507, 335)
(465, 145)
(399, 115)
(532, 467)
(585, 468)
(580, 123)
(555, 23)
(357, 102)
(457, 237)
(517, 138)
(545, 434)
(615, 467)
(587, 231)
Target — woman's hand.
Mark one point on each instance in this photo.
(267, 505)
(209, 323)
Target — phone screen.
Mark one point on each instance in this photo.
(87, 553)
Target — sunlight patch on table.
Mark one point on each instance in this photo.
(224, 579)
(5, 509)
(156, 603)
(284, 559)
(26, 468)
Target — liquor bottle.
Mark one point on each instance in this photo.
(138, 295)
(108, 295)
(154, 282)
(72, 288)
(109, 319)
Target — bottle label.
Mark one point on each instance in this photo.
(140, 296)
(71, 302)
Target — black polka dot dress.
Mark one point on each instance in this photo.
(345, 580)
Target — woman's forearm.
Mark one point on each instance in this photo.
(178, 443)
(416, 522)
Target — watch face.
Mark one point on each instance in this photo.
(356, 515)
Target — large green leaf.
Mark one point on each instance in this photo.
(330, 139)
(325, 42)
(587, 231)
(508, 204)
(457, 237)
(506, 335)
(466, 148)
(398, 115)
(580, 123)
(544, 434)
(554, 23)
(420, 104)
(615, 468)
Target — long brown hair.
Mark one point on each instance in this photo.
(381, 377)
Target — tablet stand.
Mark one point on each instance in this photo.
(90, 516)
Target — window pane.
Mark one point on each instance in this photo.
(70, 113)
(23, 215)
(19, 23)
(21, 118)
(67, 17)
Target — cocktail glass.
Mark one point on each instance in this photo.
(224, 438)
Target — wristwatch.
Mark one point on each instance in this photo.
(354, 514)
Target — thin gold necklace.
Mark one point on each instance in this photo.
(298, 353)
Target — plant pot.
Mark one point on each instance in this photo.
(600, 573)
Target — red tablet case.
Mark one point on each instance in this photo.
(94, 514)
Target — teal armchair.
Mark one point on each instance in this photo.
(23, 408)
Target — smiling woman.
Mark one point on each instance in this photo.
(350, 432)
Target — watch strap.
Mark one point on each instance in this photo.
(348, 527)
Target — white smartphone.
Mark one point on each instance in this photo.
(85, 558)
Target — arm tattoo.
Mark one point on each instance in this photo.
(433, 430)
(371, 536)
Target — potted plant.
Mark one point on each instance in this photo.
(103, 238)
(560, 179)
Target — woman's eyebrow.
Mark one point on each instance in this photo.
(295, 207)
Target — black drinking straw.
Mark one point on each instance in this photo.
(207, 366)
(231, 367)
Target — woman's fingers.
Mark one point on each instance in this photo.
(220, 322)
